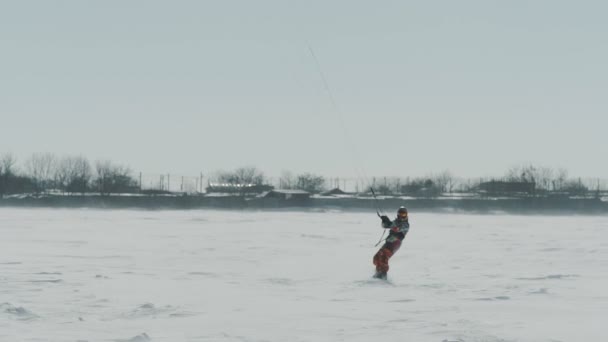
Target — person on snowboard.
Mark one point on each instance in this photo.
(398, 229)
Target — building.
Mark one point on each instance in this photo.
(233, 188)
(334, 191)
(281, 198)
(287, 195)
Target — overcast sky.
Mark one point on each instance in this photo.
(474, 87)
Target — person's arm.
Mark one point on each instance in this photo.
(386, 222)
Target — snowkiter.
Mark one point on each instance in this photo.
(398, 229)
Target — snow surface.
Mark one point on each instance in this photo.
(201, 275)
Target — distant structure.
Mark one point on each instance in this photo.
(233, 188)
(287, 195)
(334, 191)
(503, 187)
(280, 198)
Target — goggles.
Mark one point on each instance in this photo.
(402, 215)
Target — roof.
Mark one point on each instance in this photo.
(335, 191)
(291, 192)
(231, 185)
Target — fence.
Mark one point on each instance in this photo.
(198, 183)
(172, 183)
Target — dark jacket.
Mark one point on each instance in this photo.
(398, 229)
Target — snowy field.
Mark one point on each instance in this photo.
(95, 275)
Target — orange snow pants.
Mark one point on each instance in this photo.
(385, 253)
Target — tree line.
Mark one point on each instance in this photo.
(75, 174)
(69, 174)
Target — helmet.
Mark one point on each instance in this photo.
(402, 212)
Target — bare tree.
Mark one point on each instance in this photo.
(544, 177)
(390, 185)
(541, 176)
(41, 168)
(113, 178)
(521, 174)
(287, 180)
(244, 180)
(422, 187)
(249, 175)
(243, 176)
(7, 161)
(310, 182)
(513, 174)
(444, 181)
(560, 179)
(64, 172)
(73, 174)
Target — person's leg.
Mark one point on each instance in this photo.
(383, 255)
(381, 259)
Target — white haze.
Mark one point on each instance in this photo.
(97, 275)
